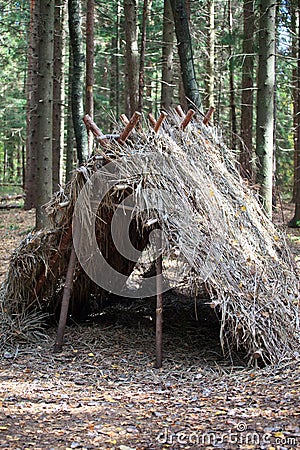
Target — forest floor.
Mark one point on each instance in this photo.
(103, 391)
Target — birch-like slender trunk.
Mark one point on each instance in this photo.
(265, 102)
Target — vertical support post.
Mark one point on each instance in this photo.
(65, 302)
(159, 305)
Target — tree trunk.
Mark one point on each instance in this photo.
(211, 55)
(45, 111)
(295, 222)
(77, 79)
(146, 7)
(131, 57)
(70, 127)
(185, 53)
(58, 93)
(294, 13)
(265, 102)
(231, 80)
(246, 148)
(89, 96)
(114, 97)
(167, 86)
(31, 110)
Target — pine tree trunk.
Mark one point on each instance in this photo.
(211, 55)
(45, 111)
(77, 79)
(114, 97)
(294, 13)
(265, 102)
(131, 57)
(146, 7)
(295, 222)
(58, 93)
(246, 148)
(185, 53)
(31, 110)
(70, 127)
(231, 81)
(167, 86)
(89, 96)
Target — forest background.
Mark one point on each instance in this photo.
(62, 59)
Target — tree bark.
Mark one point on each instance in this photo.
(58, 93)
(211, 55)
(146, 7)
(31, 111)
(246, 148)
(167, 57)
(295, 222)
(265, 102)
(231, 81)
(185, 52)
(114, 96)
(77, 79)
(90, 58)
(45, 111)
(131, 57)
(70, 127)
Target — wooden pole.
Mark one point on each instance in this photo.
(187, 119)
(124, 119)
(152, 120)
(160, 120)
(91, 126)
(208, 115)
(65, 302)
(129, 127)
(179, 111)
(159, 306)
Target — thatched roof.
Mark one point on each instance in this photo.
(212, 221)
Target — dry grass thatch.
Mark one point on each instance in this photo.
(212, 221)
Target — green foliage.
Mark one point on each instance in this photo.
(14, 17)
(109, 58)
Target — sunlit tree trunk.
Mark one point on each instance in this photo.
(45, 111)
(265, 102)
(131, 57)
(167, 86)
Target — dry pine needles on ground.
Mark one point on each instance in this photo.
(211, 220)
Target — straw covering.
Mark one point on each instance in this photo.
(211, 220)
